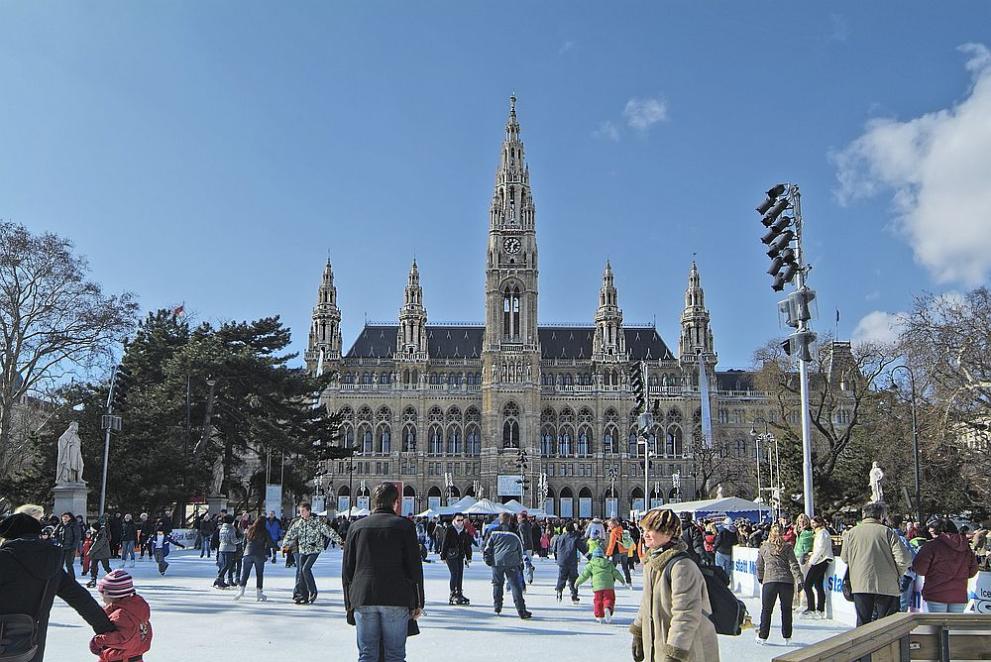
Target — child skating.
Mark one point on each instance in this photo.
(604, 576)
(129, 612)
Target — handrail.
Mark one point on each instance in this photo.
(905, 637)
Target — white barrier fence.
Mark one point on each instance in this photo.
(837, 608)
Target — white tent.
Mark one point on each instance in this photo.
(429, 512)
(514, 506)
(458, 506)
(486, 507)
(356, 512)
(732, 507)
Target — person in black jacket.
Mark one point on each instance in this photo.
(692, 536)
(382, 577)
(456, 551)
(69, 537)
(31, 574)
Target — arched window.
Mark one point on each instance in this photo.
(609, 439)
(564, 439)
(435, 440)
(385, 378)
(511, 426)
(547, 441)
(473, 440)
(347, 436)
(367, 444)
(366, 378)
(511, 312)
(632, 442)
(584, 441)
(383, 442)
(409, 438)
(454, 439)
(568, 379)
(674, 441)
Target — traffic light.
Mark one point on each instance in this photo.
(779, 237)
(800, 345)
(797, 308)
(773, 194)
(119, 386)
(636, 385)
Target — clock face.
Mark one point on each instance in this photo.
(512, 245)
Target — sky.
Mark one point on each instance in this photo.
(215, 153)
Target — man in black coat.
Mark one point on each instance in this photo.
(69, 538)
(692, 536)
(529, 532)
(382, 577)
(31, 573)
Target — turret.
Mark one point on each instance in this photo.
(324, 343)
(609, 341)
(411, 339)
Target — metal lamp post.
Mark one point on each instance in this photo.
(915, 442)
(612, 493)
(773, 463)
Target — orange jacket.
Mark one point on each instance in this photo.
(615, 542)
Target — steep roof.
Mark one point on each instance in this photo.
(378, 341)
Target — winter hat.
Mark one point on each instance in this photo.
(116, 585)
(19, 525)
(662, 520)
(597, 552)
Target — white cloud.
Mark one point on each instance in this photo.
(877, 327)
(607, 131)
(937, 167)
(641, 114)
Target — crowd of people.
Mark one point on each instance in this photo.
(678, 555)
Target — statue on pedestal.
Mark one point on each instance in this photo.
(217, 483)
(69, 465)
(876, 478)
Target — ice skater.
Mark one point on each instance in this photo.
(604, 576)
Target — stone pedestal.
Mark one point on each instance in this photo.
(216, 503)
(71, 498)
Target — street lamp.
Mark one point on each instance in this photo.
(915, 440)
(522, 462)
(612, 492)
(645, 423)
(773, 463)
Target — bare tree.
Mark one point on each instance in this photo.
(53, 322)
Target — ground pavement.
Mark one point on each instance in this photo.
(193, 621)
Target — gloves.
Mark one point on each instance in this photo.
(94, 647)
(350, 617)
(637, 649)
(467, 562)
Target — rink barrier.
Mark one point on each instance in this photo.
(837, 608)
(904, 637)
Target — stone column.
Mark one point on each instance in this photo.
(71, 498)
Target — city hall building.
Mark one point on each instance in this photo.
(446, 409)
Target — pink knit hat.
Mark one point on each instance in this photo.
(116, 585)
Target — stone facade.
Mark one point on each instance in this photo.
(424, 400)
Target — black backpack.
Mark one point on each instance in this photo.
(728, 611)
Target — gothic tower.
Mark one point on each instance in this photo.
(696, 335)
(609, 343)
(411, 339)
(324, 346)
(511, 349)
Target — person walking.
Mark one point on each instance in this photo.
(308, 532)
(529, 532)
(819, 559)
(147, 527)
(947, 562)
(567, 546)
(693, 537)
(726, 538)
(257, 544)
(99, 552)
(618, 548)
(672, 622)
(32, 574)
(382, 577)
(456, 552)
(876, 560)
(116, 524)
(503, 552)
(604, 576)
(226, 551)
(128, 540)
(206, 528)
(274, 528)
(69, 537)
(778, 572)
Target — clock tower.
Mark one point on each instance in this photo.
(511, 349)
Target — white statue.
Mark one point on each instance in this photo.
(877, 477)
(217, 483)
(69, 466)
(719, 491)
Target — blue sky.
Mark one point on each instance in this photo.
(214, 152)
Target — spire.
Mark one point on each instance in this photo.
(694, 296)
(609, 340)
(325, 328)
(696, 334)
(411, 338)
(512, 206)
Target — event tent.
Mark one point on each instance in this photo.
(486, 507)
(732, 507)
(429, 512)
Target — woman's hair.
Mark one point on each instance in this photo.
(661, 520)
(944, 526)
(802, 521)
(774, 537)
(257, 529)
(819, 522)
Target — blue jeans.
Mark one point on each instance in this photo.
(204, 546)
(907, 588)
(725, 561)
(944, 608)
(515, 578)
(127, 550)
(381, 628)
(306, 585)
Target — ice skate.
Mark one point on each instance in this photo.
(259, 596)
(240, 593)
(609, 614)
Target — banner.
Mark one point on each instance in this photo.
(409, 505)
(704, 397)
(612, 507)
(317, 504)
(549, 507)
(510, 485)
(567, 508)
(273, 499)
(433, 503)
(363, 502)
(584, 507)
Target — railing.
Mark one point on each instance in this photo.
(904, 637)
(397, 386)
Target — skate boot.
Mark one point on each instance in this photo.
(240, 593)
(463, 601)
(91, 583)
(559, 594)
(598, 619)
(259, 596)
(609, 614)
(575, 600)
(453, 600)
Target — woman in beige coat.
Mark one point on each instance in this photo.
(673, 622)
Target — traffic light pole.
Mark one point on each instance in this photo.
(106, 442)
(803, 368)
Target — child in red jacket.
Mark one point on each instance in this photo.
(129, 612)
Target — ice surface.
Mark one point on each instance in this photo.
(193, 621)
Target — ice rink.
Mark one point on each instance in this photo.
(193, 621)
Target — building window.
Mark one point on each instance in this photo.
(510, 426)
(436, 441)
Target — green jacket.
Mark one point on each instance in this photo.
(804, 543)
(602, 572)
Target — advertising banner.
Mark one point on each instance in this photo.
(612, 507)
(509, 485)
(343, 503)
(585, 507)
(273, 499)
(567, 508)
(409, 506)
